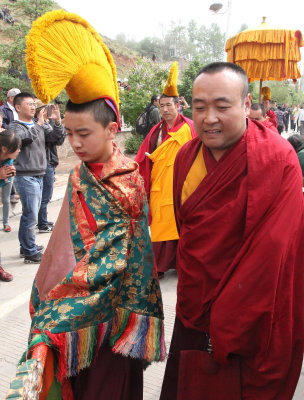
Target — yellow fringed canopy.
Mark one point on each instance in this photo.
(266, 53)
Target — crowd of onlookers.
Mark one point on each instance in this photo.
(30, 134)
(6, 15)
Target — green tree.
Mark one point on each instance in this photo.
(145, 79)
(31, 10)
(12, 48)
(281, 92)
(185, 88)
(210, 44)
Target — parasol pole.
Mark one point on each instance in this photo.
(260, 94)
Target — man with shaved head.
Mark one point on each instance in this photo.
(258, 113)
(238, 206)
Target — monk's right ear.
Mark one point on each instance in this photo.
(247, 104)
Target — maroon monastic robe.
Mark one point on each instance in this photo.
(240, 263)
(272, 117)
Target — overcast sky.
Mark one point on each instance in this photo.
(139, 19)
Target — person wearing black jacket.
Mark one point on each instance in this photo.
(8, 109)
(51, 144)
(30, 167)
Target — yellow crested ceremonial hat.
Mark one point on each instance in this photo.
(266, 93)
(171, 85)
(63, 51)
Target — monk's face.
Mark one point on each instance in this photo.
(257, 115)
(219, 111)
(91, 141)
(168, 109)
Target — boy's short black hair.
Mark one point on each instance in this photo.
(21, 96)
(101, 112)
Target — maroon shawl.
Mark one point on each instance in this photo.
(240, 258)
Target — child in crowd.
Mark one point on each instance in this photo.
(9, 150)
(96, 305)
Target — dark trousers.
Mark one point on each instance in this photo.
(47, 192)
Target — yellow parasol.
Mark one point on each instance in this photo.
(266, 53)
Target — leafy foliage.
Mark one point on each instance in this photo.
(184, 42)
(33, 9)
(281, 92)
(145, 80)
(12, 48)
(185, 88)
(7, 82)
(132, 144)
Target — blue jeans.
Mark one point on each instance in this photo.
(47, 192)
(30, 192)
(6, 200)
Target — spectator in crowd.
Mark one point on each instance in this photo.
(51, 144)
(8, 109)
(295, 113)
(285, 110)
(258, 113)
(9, 18)
(8, 148)
(280, 119)
(297, 142)
(183, 105)
(30, 168)
(154, 115)
(9, 115)
(124, 85)
(292, 117)
(3, 12)
(300, 120)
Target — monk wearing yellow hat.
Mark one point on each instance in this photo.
(270, 114)
(156, 160)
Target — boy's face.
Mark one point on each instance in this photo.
(90, 141)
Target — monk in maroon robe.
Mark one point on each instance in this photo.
(270, 114)
(239, 331)
(258, 113)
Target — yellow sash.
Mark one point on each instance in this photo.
(195, 175)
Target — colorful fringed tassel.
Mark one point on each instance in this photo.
(143, 338)
(129, 334)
